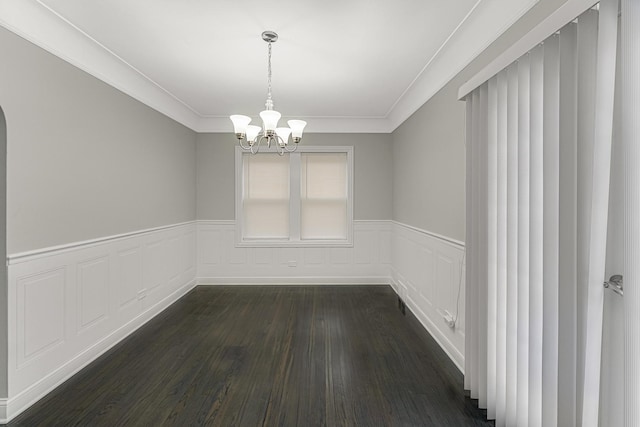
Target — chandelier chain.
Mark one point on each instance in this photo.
(269, 77)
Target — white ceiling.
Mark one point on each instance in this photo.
(343, 65)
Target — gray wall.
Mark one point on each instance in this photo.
(429, 167)
(85, 160)
(372, 173)
(429, 151)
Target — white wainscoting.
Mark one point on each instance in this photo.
(422, 267)
(69, 304)
(427, 272)
(221, 262)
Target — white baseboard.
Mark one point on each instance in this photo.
(70, 304)
(447, 346)
(96, 293)
(18, 404)
(3, 411)
(219, 257)
(426, 263)
(427, 274)
(274, 281)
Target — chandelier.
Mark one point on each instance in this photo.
(250, 137)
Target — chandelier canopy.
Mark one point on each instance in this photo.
(250, 137)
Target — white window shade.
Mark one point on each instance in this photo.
(265, 196)
(301, 199)
(323, 196)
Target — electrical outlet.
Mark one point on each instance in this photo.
(449, 320)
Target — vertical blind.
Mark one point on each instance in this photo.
(538, 158)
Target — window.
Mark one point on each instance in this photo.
(299, 199)
(323, 196)
(265, 201)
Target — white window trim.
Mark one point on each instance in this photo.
(294, 203)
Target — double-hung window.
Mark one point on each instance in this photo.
(303, 198)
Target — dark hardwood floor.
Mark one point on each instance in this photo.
(268, 356)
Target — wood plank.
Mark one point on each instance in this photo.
(262, 356)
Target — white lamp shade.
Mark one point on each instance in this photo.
(252, 132)
(284, 134)
(270, 119)
(297, 126)
(240, 123)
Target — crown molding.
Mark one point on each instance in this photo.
(315, 125)
(554, 22)
(465, 43)
(38, 24)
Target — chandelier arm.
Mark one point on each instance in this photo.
(254, 148)
(246, 148)
(257, 144)
(279, 144)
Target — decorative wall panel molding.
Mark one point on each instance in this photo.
(424, 268)
(41, 312)
(68, 305)
(92, 292)
(427, 274)
(3, 410)
(221, 262)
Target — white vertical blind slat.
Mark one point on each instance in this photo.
(630, 43)
(501, 288)
(550, 232)
(469, 304)
(536, 240)
(568, 215)
(523, 165)
(512, 244)
(481, 248)
(604, 101)
(492, 244)
(474, 258)
(587, 45)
